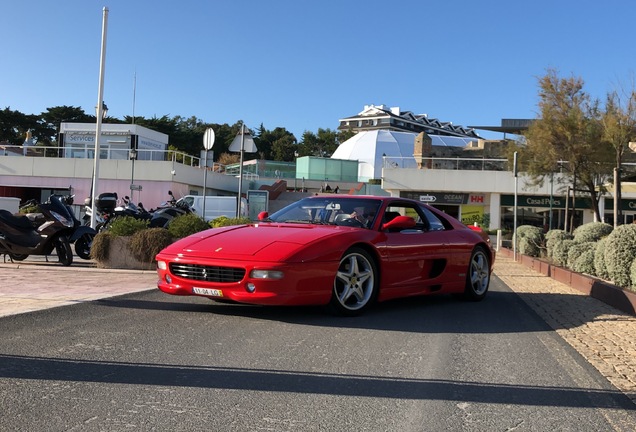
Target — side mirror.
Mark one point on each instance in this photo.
(263, 215)
(399, 223)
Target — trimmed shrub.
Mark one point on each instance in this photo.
(529, 240)
(553, 237)
(599, 259)
(620, 251)
(223, 221)
(101, 246)
(560, 251)
(126, 226)
(185, 225)
(146, 244)
(576, 250)
(632, 287)
(585, 262)
(592, 232)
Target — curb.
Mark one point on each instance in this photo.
(610, 294)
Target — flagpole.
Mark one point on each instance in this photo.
(100, 109)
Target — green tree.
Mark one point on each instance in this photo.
(321, 144)
(266, 142)
(53, 117)
(14, 126)
(619, 129)
(567, 137)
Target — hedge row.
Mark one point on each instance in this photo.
(595, 248)
(146, 243)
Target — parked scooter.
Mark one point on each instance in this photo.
(82, 237)
(166, 212)
(104, 207)
(130, 209)
(110, 207)
(19, 238)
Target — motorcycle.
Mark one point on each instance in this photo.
(164, 214)
(19, 238)
(110, 207)
(82, 236)
(104, 208)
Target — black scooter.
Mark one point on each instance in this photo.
(82, 236)
(19, 238)
(166, 212)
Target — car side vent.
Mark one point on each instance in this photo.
(437, 268)
(207, 273)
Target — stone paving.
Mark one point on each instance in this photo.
(603, 335)
(36, 284)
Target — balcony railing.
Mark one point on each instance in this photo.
(106, 152)
(456, 163)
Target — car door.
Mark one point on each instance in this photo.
(412, 258)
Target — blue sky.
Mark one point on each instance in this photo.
(304, 65)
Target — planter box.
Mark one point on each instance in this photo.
(120, 257)
(615, 296)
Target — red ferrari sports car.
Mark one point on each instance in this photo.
(342, 251)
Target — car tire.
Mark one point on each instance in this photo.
(477, 275)
(355, 286)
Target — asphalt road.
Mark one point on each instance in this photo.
(149, 361)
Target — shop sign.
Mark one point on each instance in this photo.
(558, 202)
(626, 204)
(437, 197)
(472, 214)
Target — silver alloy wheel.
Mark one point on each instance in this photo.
(479, 273)
(354, 284)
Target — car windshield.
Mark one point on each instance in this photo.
(328, 210)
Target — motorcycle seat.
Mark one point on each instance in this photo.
(36, 219)
(16, 221)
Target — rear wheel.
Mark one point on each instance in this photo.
(18, 257)
(478, 275)
(64, 251)
(83, 246)
(356, 284)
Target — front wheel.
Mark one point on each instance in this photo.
(83, 246)
(478, 275)
(64, 252)
(355, 286)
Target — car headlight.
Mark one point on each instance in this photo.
(162, 265)
(266, 274)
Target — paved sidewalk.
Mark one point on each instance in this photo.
(603, 335)
(35, 284)
(600, 333)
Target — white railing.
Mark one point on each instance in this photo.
(448, 163)
(106, 152)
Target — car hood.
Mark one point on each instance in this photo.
(263, 241)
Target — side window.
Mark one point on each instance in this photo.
(421, 223)
(434, 223)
